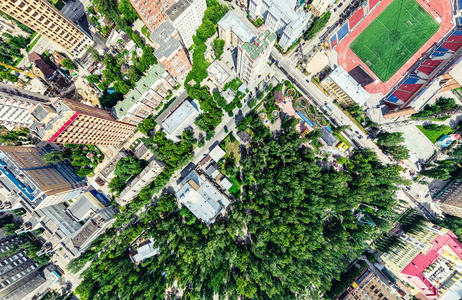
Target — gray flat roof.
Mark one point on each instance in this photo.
(231, 20)
(168, 48)
(178, 116)
(163, 33)
(177, 8)
(349, 85)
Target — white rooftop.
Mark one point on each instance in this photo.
(217, 153)
(349, 85)
(145, 252)
(176, 119)
(201, 197)
(226, 183)
(231, 20)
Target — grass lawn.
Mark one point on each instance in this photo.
(393, 37)
(231, 147)
(233, 84)
(33, 42)
(343, 139)
(434, 135)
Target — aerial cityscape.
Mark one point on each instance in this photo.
(231, 149)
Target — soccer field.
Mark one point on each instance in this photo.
(393, 37)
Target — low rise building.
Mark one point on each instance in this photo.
(181, 118)
(133, 188)
(170, 51)
(283, 17)
(149, 92)
(34, 183)
(450, 198)
(252, 58)
(85, 206)
(186, 16)
(201, 197)
(233, 31)
(220, 73)
(144, 250)
(345, 88)
(430, 260)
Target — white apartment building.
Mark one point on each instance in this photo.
(181, 118)
(281, 16)
(252, 58)
(186, 16)
(15, 106)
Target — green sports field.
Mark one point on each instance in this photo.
(393, 37)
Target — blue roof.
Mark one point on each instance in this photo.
(410, 80)
(442, 49)
(305, 119)
(393, 99)
(343, 31)
(27, 191)
(100, 196)
(333, 38)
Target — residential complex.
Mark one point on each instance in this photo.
(182, 117)
(20, 276)
(170, 52)
(132, 189)
(145, 97)
(369, 286)
(450, 198)
(66, 121)
(345, 88)
(34, 184)
(186, 16)
(281, 16)
(252, 57)
(201, 197)
(15, 105)
(233, 31)
(430, 260)
(43, 17)
(152, 12)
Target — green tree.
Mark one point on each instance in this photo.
(10, 228)
(218, 47)
(122, 87)
(68, 64)
(134, 75)
(93, 78)
(398, 152)
(253, 102)
(147, 125)
(136, 38)
(94, 54)
(127, 10)
(340, 128)
(53, 157)
(389, 138)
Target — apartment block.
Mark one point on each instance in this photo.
(429, 260)
(186, 16)
(66, 121)
(233, 31)
(16, 104)
(282, 17)
(170, 51)
(152, 12)
(450, 198)
(345, 88)
(252, 58)
(145, 97)
(43, 17)
(34, 184)
(181, 118)
(318, 7)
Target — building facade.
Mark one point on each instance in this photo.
(66, 121)
(186, 16)
(170, 51)
(43, 17)
(150, 91)
(430, 260)
(33, 183)
(15, 105)
(233, 31)
(252, 58)
(152, 12)
(450, 198)
(181, 118)
(281, 16)
(318, 7)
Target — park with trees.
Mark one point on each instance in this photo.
(391, 143)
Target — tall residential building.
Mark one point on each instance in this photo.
(233, 31)
(281, 16)
(430, 260)
(34, 184)
(15, 105)
(43, 17)
(66, 121)
(152, 12)
(450, 198)
(170, 52)
(186, 16)
(252, 58)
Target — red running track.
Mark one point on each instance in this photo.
(348, 60)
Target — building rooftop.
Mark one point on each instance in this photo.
(201, 197)
(259, 45)
(163, 33)
(217, 153)
(177, 8)
(232, 21)
(220, 72)
(176, 119)
(41, 64)
(168, 48)
(456, 73)
(84, 205)
(349, 85)
(145, 251)
(142, 86)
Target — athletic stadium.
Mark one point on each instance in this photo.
(401, 46)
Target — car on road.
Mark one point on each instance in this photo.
(307, 81)
(340, 5)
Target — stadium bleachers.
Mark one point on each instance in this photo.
(357, 16)
(333, 41)
(343, 31)
(373, 3)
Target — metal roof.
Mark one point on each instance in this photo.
(349, 85)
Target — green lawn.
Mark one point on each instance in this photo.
(434, 135)
(393, 37)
